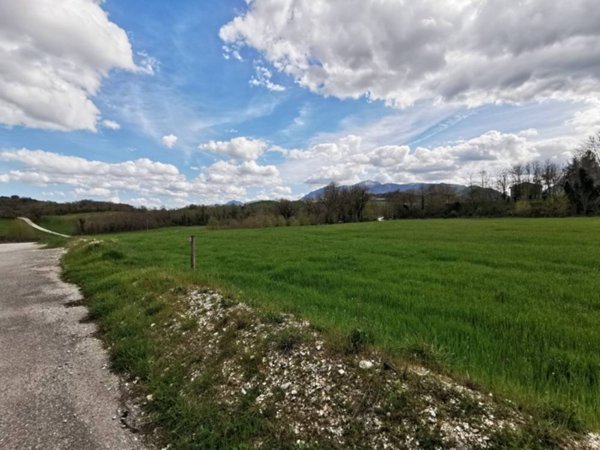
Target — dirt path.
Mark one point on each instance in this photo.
(55, 390)
(43, 230)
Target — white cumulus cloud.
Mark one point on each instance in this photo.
(239, 148)
(54, 55)
(348, 160)
(263, 78)
(46, 168)
(169, 140)
(111, 124)
(143, 177)
(586, 121)
(471, 52)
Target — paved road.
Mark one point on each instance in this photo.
(55, 390)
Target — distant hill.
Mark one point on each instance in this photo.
(15, 206)
(376, 188)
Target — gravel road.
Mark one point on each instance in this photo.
(55, 390)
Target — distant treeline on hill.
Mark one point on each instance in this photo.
(15, 206)
(536, 189)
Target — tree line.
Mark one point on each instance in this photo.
(15, 206)
(535, 189)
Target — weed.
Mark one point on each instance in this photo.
(357, 341)
(273, 317)
(188, 324)
(154, 308)
(287, 340)
(468, 406)
(424, 354)
(114, 255)
(429, 439)
(563, 416)
(243, 319)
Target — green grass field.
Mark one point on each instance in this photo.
(12, 230)
(67, 224)
(61, 224)
(513, 304)
(4, 226)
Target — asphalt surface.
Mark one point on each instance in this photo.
(55, 389)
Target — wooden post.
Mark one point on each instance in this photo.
(193, 252)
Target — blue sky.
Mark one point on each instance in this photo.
(170, 103)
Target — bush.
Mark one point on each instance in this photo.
(357, 341)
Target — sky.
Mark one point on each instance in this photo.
(158, 103)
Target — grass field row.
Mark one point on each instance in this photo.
(513, 304)
(4, 226)
(13, 230)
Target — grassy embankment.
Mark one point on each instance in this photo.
(68, 223)
(4, 226)
(513, 305)
(13, 230)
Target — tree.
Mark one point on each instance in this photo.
(516, 173)
(286, 209)
(330, 201)
(502, 182)
(484, 178)
(358, 197)
(550, 176)
(582, 178)
(536, 170)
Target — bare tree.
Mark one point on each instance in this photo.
(536, 170)
(550, 175)
(471, 183)
(528, 171)
(329, 198)
(582, 178)
(516, 172)
(484, 178)
(502, 182)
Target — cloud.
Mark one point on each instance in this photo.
(247, 173)
(147, 64)
(111, 124)
(169, 140)
(239, 148)
(586, 121)
(348, 160)
(94, 192)
(151, 202)
(145, 178)
(263, 78)
(339, 173)
(225, 180)
(54, 56)
(43, 168)
(469, 52)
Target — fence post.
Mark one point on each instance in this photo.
(193, 252)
